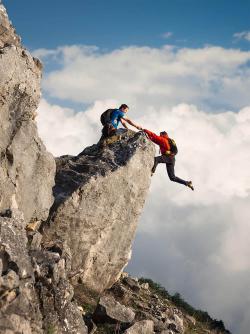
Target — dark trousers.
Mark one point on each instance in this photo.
(170, 162)
(108, 130)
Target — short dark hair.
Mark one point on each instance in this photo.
(163, 133)
(123, 106)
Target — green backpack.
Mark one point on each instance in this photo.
(173, 146)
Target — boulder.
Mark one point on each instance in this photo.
(144, 286)
(175, 323)
(132, 283)
(99, 196)
(111, 311)
(141, 327)
(191, 319)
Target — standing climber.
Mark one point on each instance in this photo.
(111, 118)
(168, 150)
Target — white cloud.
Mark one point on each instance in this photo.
(210, 77)
(199, 251)
(214, 148)
(242, 35)
(167, 34)
(65, 131)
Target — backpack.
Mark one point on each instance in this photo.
(106, 116)
(173, 146)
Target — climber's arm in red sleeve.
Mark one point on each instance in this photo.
(152, 136)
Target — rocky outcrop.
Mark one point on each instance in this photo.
(60, 312)
(154, 311)
(99, 195)
(153, 314)
(26, 168)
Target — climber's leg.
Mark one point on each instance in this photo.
(171, 173)
(157, 160)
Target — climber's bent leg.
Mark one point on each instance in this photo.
(157, 160)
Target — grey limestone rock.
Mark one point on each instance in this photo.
(35, 293)
(141, 327)
(99, 196)
(19, 305)
(132, 283)
(7, 31)
(111, 311)
(175, 323)
(26, 169)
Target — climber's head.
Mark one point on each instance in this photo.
(164, 134)
(124, 108)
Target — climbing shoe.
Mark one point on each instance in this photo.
(190, 185)
(153, 170)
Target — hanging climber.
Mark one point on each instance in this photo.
(168, 150)
(111, 118)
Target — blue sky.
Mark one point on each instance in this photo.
(114, 23)
(111, 25)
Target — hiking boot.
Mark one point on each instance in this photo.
(153, 170)
(190, 185)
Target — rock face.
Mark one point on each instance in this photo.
(19, 305)
(60, 313)
(99, 195)
(35, 293)
(26, 169)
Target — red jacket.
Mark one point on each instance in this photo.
(159, 140)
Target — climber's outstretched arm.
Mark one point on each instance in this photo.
(125, 119)
(156, 139)
(124, 123)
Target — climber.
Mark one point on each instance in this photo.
(111, 118)
(168, 150)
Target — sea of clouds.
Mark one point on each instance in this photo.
(196, 243)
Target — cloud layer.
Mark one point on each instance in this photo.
(193, 242)
(211, 77)
(214, 148)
